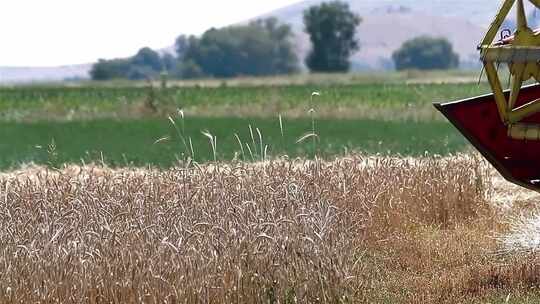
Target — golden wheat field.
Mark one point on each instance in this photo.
(357, 229)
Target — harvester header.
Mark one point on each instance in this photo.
(505, 125)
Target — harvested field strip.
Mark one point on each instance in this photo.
(357, 229)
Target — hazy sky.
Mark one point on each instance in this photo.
(61, 32)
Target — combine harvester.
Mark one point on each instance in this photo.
(505, 125)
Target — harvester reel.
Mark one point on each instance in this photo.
(521, 52)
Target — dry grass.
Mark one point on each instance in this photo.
(407, 112)
(443, 76)
(355, 230)
(138, 109)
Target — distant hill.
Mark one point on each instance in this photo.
(44, 74)
(478, 12)
(380, 34)
(388, 23)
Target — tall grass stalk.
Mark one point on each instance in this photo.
(281, 126)
(252, 138)
(241, 146)
(312, 116)
(191, 149)
(263, 154)
(213, 143)
(181, 134)
(250, 152)
(282, 132)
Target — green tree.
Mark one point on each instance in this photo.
(146, 57)
(140, 72)
(331, 27)
(146, 64)
(182, 44)
(260, 48)
(110, 69)
(426, 53)
(169, 62)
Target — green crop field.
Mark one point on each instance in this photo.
(360, 100)
(119, 123)
(370, 94)
(157, 142)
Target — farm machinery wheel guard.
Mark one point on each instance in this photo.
(505, 125)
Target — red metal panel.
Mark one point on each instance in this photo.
(478, 120)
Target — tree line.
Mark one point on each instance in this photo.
(265, 47)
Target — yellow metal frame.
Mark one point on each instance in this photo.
(522, 55)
